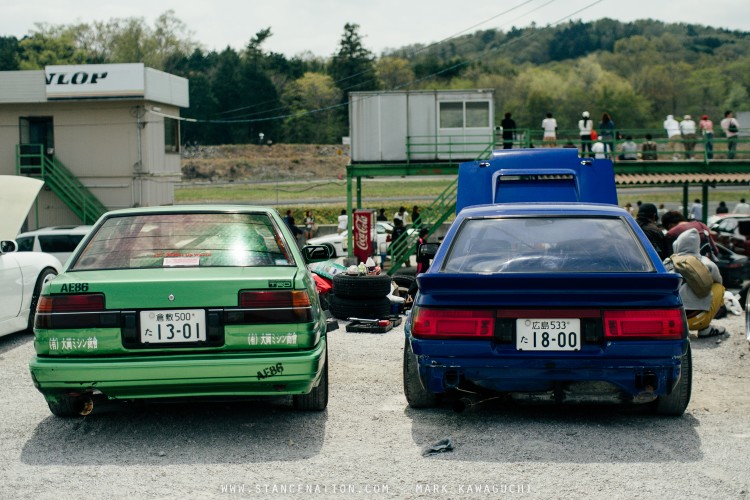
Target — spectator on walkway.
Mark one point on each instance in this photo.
(707, 129)
(673, 133)
(648, 149)
(585, 126)
(401, 215)
(416, 217)
(687, 129)
(741, 207)
(628, 149)
(722, 208)
(731, 128)
(598, 149)
(607, 133)
(549, 125)
(509, 130)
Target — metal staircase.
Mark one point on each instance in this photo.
(431, 217)
(31, 161)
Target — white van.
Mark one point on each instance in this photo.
(59, 241)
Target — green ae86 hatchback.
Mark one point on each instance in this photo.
(168, 302)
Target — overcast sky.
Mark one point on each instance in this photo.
(317, 25)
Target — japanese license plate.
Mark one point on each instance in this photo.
(173, 326)
(537, 334)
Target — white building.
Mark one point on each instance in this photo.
(101, 136)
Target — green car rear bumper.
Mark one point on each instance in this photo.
(189, 375)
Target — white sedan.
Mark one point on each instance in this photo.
(22, 274)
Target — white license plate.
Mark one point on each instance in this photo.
(173, 326)
(548, 334)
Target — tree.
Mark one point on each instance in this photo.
(393, 73)
(8, 53)
(352, 67)
(309, 99)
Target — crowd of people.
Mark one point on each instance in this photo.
(674, 236)
(598, 139)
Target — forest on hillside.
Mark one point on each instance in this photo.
(638, 72)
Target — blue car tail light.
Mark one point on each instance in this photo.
(667, 324)
(453, 323)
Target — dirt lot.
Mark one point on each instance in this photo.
(277, 162)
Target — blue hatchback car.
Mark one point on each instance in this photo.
(554, 301)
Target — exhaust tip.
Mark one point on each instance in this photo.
(84, 406)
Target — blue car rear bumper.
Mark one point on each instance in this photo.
(637, 369)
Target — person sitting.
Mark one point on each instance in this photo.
(648, 149)
(628, 150)
(700, 310)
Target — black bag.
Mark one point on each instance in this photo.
(733, 128)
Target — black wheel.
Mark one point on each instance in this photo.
(317, 399)
(674, 404)
(344, 308)
(416, 395)
(43, 277)
(67, 406)
(374, 286)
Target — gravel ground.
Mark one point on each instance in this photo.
(368, 444)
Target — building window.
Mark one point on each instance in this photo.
(451, 115)
(471, 114)
(171, 135)
(477, 114)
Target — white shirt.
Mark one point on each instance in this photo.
(671, 126)
(585, 129)
(696, 211)
(343, 222)
(549, 125)
(741, 208)
(598, 149)
(687, 127)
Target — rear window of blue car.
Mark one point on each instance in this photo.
(184, 240)
(546, 245)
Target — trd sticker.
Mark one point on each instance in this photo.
(279, 284)
(74, 287)
(271, 371)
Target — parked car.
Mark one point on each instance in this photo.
(167, 302)
(556, 302)
(382, 236)
(59, 241)
(22, 274)
(734, 268)
(732, 231)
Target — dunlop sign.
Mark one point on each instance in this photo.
(95, 81)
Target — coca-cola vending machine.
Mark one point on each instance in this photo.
(364, 222)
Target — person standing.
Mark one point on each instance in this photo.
(687, 129)
(722, 208)
(741, 207)
(343, 221)
(509, 130)
(416, 218)
(310, 226)
(607, 133)
(585, 126)
(401, 215)
(289, 219)
(731, 128)
(673, 133)
(423, 263)
(696, 210)
(549, 125)
(707, 129)
(381, 215)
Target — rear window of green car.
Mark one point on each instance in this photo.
(185, 240)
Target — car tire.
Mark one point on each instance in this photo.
(674, 404)
(374, 286)
(47, 272)
(345, 308)
(416, 395)
(317, 399)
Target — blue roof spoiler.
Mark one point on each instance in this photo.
(536, 175)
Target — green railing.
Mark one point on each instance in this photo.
(32, 161)
(431, 217)
(446, 147)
